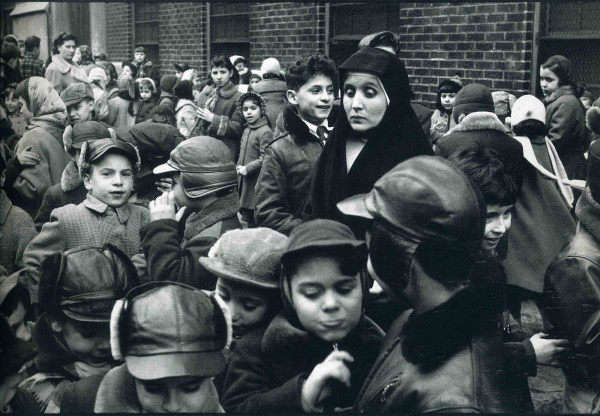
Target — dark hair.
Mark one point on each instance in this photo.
(563, 69)
(303, 68)
(6, 92)
(484, 168)
(62, 38)
(163, 114)
(183, 90)
(221, 61)
(530, 128)
(131, 66)
(385, 38)
(255, 100)
(112, 71)
(31, 43)
(19, 293)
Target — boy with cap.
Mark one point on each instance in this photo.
(426, 221)
(79, 100)
(107, 167)
(572, 300)
(143, 66)
(313, 356)
(171, 353)
(186, 221)
(70, 189)
(78, 289)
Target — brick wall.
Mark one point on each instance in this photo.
(182, 35)
(285, 30)
(119, 39)
(490, 43)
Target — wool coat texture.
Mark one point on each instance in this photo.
(61, 73)
(90, 223)
(118, 114)
(185, 116)
(273, 91)
(283, 186)
(254, 141)
(16, 231)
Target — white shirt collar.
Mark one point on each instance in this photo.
(313, 127)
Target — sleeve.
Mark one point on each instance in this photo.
(49, 240)
(186, 122)
(561, 122)
(520, 358)
(54, 77)
(12, 171)
(102, 106)
(167, 260)
(229, 127)
(263, 140)
(271, 208)
(248, 384)
(33, 181)
(24, 234)
(43, 214)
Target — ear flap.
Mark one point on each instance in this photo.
(112, 133)
(227, 315)
(115, 328)
(82, 157)
(68, 137)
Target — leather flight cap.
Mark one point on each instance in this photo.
(424, 199)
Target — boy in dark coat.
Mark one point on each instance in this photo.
(315, 355)
(204, 191)
(283, 186)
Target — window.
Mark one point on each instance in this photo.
(229, 26)
(146, 21)
(350, 22)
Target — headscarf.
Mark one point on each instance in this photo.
(398, 137)
(48, 109)
(98, 75)
(167, 83)
(86, 55)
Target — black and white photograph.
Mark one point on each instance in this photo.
(300, 207)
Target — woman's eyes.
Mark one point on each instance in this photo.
(370, 92)
(311, 293)
(349, 92)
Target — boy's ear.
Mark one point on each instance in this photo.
(86, 181)
(56, 325)
(292, 97)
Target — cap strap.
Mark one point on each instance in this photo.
(90, 297)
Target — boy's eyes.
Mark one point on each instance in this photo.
(153, 388)
(250, 305)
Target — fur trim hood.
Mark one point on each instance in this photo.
(70, 178)
(479, 120)
(561, 91)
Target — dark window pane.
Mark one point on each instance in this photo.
(228, 49)
(146, 33)
(146, 11)
(229, 28)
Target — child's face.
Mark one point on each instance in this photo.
(251, 111)
(447, 100)
(88, 341)
(126, 71)
(254, 80)
(587, 103)
(314, 99)
(240, 66)
(82, 111)
(548, 81)
(181, 199)
(220, 75)
(110, 180)
(327, 302)
(17, 322)
(184, 394)
(248, 305)
(12, 102)
(498, 220)
(145, 93)
(24, 109)
(140, 56)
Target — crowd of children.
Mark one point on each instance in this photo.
(260, 241)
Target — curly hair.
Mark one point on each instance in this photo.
(303, 68)
(222, 62)
(62, 38)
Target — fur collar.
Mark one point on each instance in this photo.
(294, 125)
(561, 91)
(70, 178)
(479, 120)
(436, 335)
(588, 213)
(62, 65)
(228, 90)
(220, 210)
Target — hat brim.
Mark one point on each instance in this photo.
(199, 193)
(217, 267)
(357, 246)
(195, 364)
(74, 101)
(355, 206)
(164, 168)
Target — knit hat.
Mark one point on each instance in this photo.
(249, 256)
(592, 118)
(14, 353)
(527, 107)
(77, 92)
(205, 165)
(187, 335)
(234, 59)
(453, 84)
(471, 98)
(251, 94)
(84, 283)
(167, 82)
(270, 66)
(75, 136)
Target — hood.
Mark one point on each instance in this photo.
(182, 102)
(70, 178)
(479, 120)
(49, 110)
(561, 91)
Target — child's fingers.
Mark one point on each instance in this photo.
(340, 356)
(560, 343)
(340, 372)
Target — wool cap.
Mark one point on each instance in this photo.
(251, 94)
(234, 59)
(140, 49)
(270, 66)
(84, 282)
(593, 171)
(471, 98)
(14, 352)
(251, 256)
(424, 199)
(188, 334)
(76, 92)
(453, 84)
(83, 132)
(205, 165)
(167, 83)
(592, 118)
(527, 107)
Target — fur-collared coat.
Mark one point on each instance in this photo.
(268, 367)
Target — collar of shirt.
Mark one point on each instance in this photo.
(313, 127)
(94, 204)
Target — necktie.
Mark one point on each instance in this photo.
(322, 133)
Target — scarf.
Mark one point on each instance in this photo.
(49, 111)
(398, 137)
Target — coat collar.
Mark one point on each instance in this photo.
(588, 213)
(293, 124)
(70, 178)
(5, 206)
(62, 65)
(228, 90)
(561, 91)
(94, 204)
(262, 122)
(479, 120)
(220, 210)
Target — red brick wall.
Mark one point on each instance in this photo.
(285, 30)
(490, 43)
(119, 33)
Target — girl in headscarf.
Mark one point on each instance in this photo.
(375, 130)
(46, 117)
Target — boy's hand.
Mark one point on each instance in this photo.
(241, 170)
(549, 351)
(205, 114)
(164, 184)
(28, 158)
(163, 207)
(315, 389)
(440, 126)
